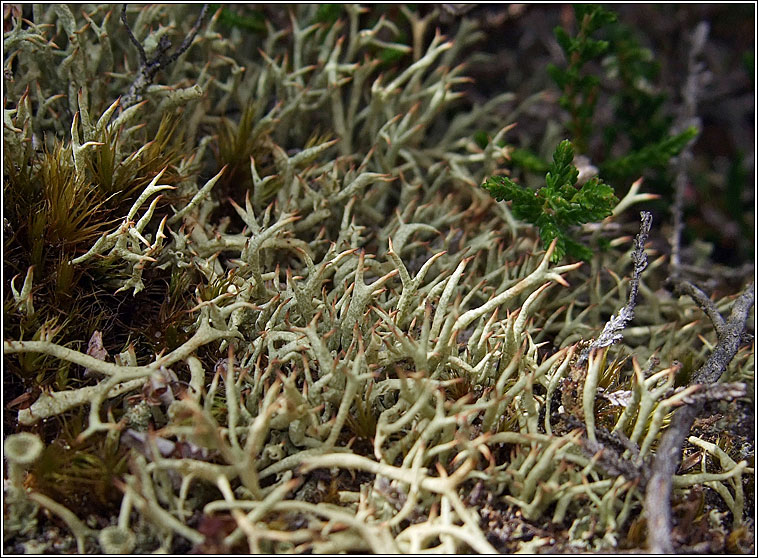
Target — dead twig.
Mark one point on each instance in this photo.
(692, 89)
(149, 68)
(705, 304)
(668, 456)
(614, 326)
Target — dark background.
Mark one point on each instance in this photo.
(720, 194)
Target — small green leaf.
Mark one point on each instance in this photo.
(549, 230)
(390, 56)
(561, 171)
(254, 21)
(593, 49)
(563, 38)
(596, 199)
(529, 161)
(576, 250)
(564, 155)
(328, 13)
(481, 138)
(653, 155)
(558, 75)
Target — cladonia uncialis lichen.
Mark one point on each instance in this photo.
(346, 333)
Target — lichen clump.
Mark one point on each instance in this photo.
(287, 317)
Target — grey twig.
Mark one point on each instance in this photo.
(190, 37)
(669, 454)
(140, 48)
(728, 341)
(612, 331)
(712, 392)
(720, 271)
(665, 465)
(705, 303)
(609, 449)
(149, 68)
(688, 116)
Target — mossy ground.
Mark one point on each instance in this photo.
(325, 261)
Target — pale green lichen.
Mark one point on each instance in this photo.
(359, 281)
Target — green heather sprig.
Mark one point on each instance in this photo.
(638, 118)
(559, 204)
(580, 89)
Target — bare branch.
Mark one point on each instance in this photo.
(149, 68)
(658, 493)
(669, 454)
(190, 37)
(729, 340)
(612, 331)
(140, 48)
(705, 304)
(690, 92)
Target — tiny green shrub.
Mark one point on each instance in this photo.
(580, 89)
(639, 137)
(559, 204)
